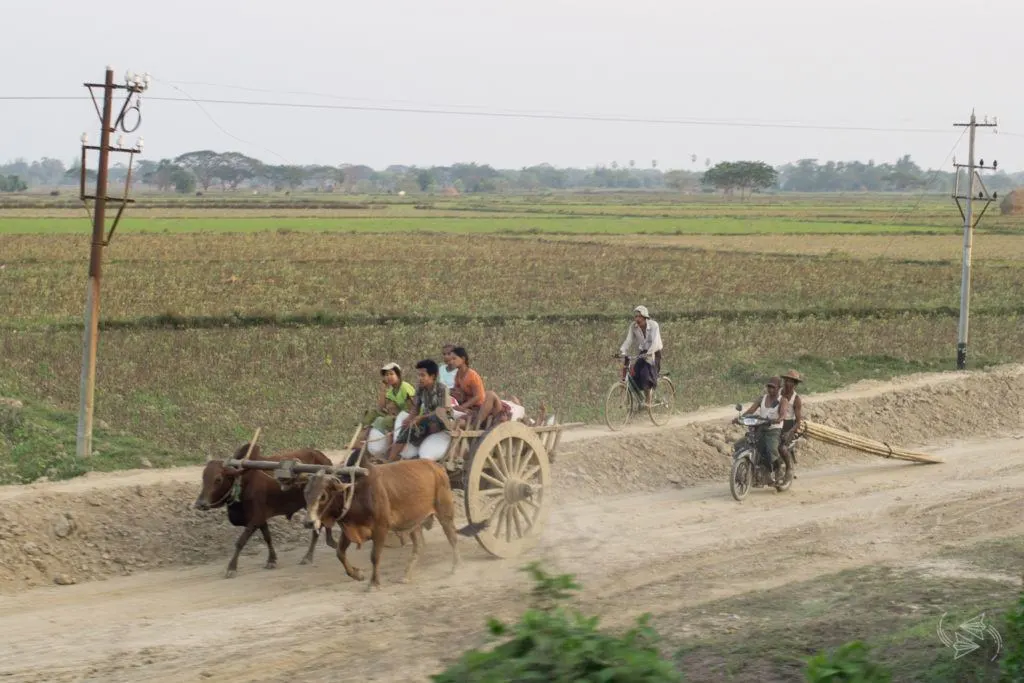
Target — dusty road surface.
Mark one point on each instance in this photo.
(652, 551)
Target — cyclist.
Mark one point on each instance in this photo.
(645, 334)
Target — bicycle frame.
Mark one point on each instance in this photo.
(662, 396)
(634, 390)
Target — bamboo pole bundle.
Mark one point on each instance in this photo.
(838, 437)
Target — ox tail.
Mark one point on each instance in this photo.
(474, 529)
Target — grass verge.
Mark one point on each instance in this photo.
(38, 441)
(767, 636)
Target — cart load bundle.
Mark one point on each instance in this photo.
(838, 437)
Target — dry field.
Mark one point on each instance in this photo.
(207, 335)
(989, 247)
(409, 276)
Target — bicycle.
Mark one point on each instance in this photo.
(626, 396)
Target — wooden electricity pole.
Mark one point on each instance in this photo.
(966, 211)
(134, 85)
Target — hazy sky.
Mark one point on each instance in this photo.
(866, 63)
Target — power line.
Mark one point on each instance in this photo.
(924, 190)
(224, 130)
(599, 118)
(40, 97)
(330, 96)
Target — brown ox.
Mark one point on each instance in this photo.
(253, 497)
(399, 496)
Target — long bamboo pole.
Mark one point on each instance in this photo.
(838, 437)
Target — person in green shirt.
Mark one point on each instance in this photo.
(393, 397)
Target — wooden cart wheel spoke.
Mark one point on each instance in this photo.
(514, 514)
(528, 475)
(500, 513)
(508, 525)
(531, 504)
(517, 511)
(496, 467)
(497, 456)
(497, 482)
(489, 507)
(519, 461)
(508, 449)
(506, 475)
(508, 458)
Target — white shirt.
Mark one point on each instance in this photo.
(647, 343)
(769, 412)
(447, 376)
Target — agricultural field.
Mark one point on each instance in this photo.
(222, 315)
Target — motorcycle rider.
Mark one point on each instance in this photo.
(646, 335)
(771, 406)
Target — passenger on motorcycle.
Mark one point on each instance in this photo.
(771, 406)
(794, 414)
(645, 334)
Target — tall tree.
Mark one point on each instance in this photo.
(203, 164)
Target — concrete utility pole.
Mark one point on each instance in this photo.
(134, 85)
(966, 211)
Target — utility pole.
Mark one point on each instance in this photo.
(135, 84)
(966, 211)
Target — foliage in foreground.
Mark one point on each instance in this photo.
(554, 643)
(852, 662)
(1011, 668)
(849, 663)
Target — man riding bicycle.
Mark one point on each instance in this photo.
(645, 334)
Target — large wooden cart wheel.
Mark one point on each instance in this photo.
(508, 484)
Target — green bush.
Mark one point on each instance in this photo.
(850, 663)
(1011, 668)
(552, 643)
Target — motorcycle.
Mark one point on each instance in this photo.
(748, 470)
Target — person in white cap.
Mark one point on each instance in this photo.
(645, 334)
(394, 396)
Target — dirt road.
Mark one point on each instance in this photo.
(633, 553)
(652, 551)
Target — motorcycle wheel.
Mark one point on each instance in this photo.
(741, 477)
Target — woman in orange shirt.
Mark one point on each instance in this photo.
(469, 391)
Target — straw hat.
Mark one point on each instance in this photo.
(793, 375)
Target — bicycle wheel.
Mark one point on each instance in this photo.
(663, 401)
(618, 406)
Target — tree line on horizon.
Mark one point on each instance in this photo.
(203, 170)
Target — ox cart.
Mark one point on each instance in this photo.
(503, 470)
